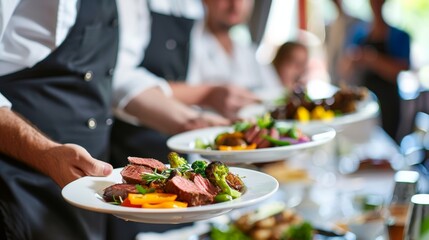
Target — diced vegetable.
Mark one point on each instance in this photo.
(302, 231)
(242, 126)
(199, 144)
(127, 203)
(216, 172)
(302, 114)
(266, 121)
(199, 167)
(173, 204)
(175, 160)
(240, 147)
(230, 233)
(222, 197)
(143, 190)
(139, 199)
(276, 142)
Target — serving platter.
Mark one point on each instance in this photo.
(185, 143)
(86, 193)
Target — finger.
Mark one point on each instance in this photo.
(94, 167)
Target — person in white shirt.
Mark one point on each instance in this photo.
(218, 59)
(57, 60)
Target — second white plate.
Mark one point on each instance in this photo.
(185, 143)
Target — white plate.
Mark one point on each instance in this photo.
(366, 109)
(184, 143)
(85, 193)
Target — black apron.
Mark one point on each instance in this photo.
(66, 96)
(166, 56)
(386, 92)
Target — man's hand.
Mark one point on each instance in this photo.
(205, 119)
(227, 100)
(62, 162)
(68, 162)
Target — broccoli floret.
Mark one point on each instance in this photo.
(216, 172)
(199, 167)
(175, 160)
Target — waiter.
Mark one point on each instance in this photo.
(166, 57)
(56, 63)
(57, 60)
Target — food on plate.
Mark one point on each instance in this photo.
(299, 106)
(270, 222)
(247, 135)
(148, 183)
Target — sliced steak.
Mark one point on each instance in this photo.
(132, 173)
(235, 182)
(205, 185)
(187, 191)
(117, 191)
(148, 162)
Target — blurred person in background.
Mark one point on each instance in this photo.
(290, 63)
(164, 43)
(218, 59)
(338, 33)
(377, 53)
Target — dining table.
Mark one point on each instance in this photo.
(340, 172)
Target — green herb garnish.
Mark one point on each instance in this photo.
(143, 190)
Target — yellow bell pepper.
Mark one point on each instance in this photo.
(318, 113)
(239, 147)
(302, 114)
(140, 199)
(329, 114)
(173, 204)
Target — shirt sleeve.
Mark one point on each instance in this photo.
(7, 7)
(129, 78)
(129, 82)
(4, 102)
(399, 44)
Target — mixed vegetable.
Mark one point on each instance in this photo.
(179, 186)
(248, 135)
(270, 222)
(297, 105)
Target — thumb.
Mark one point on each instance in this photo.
(98, 168)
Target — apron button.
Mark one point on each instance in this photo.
(109, 121)
(170, 44)
(110, 72)
(92, 123)
(114, 22)
(88, 76)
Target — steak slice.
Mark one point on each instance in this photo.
(235, 182)
(132, 173)
(205, 185)
(115, 191)
(148, 162)
(187, 191)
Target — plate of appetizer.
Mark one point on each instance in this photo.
(345, 106)
(274, 222)
(263, 140)
(148, 191)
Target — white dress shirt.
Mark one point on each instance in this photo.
(28, 35)
(210, 63)
(135, 33)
